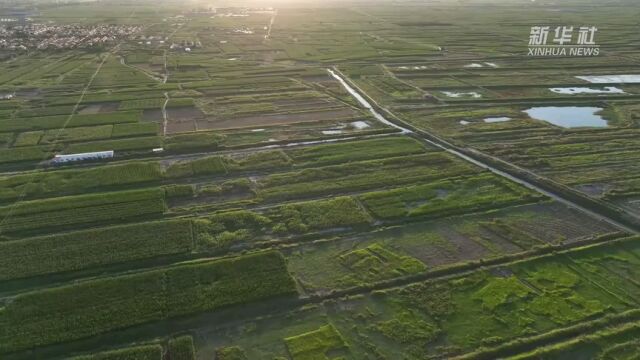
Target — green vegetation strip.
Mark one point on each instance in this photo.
(181, 348)
(75, 181)
(612, 343)
(448, 197)
(90, 248)
(82, 210)
(315, 345)
(362, 175)
(146, 352)
(98, 306)
(513, 349)
(63, 121)
(356, 150)
(220, 231)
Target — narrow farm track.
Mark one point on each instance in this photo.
(438, 142)
(149, 75)
(165, 119)
(270, 26)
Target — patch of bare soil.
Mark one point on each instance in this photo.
(152, 115)
(100, 108)
(596, 190)
(184, 113)
(180, 127)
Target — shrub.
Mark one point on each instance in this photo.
(178, 191)
(225, 229)
(181, 348)
(321, 214)
(193, 141)
(231, 353)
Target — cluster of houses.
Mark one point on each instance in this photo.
(46, 36)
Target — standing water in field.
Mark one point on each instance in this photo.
(603, 79)
(454, 94)
(568, 116)
(496, 119)
(586, 90)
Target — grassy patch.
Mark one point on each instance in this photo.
(315, 345)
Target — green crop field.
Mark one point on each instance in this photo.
(319, 180)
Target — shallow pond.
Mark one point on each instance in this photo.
(332, 132)
(568, 116)
(496, 119)
(602, 79)
(360, 125)
(454, 94)
(586, 90)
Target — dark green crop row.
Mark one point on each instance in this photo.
(81, 210)
(97, 306)
(137, 143)
(356, 150)
(19, 154)
(84, 134)
(67, 182)
(448, 197)
(145, 352)
(74, 181)
(180, 348)
(95, 247)
(63, 121)
(362, 175)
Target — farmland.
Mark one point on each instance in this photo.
(300, 180)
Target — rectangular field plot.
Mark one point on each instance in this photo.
(447, 197)
(93, 248)
(447, 316)
(98, 306)
(388, 180)
(232, 110)
(402, 250)
(79, 210)
(599, 162)
(41, 184)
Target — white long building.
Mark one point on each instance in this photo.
(61, 159)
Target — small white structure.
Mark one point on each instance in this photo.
(62, 159)
(157, 150)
